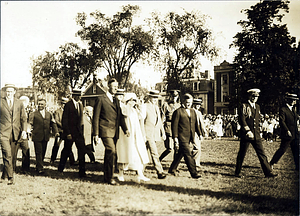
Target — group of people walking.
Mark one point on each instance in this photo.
(129, 130)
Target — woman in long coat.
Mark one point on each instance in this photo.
(131, 151)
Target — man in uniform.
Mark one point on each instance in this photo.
(249, 118)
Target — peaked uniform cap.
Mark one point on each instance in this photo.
(254, 91)
(197, 101)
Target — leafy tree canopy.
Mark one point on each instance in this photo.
(181, 41)
(55, 72)
(114, 42)
(267, 55)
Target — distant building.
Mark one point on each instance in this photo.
(91, 93)
(203, 88)
(224, 75)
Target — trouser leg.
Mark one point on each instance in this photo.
(65, 154)
(258, 147)
(241, 155)
(151, 145)
(79, 142)
(109, 158)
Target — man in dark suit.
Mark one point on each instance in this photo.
(58, 140)
(72, 125)
(184, 126)
(41, 122)
(107, 118)
(289, 131)
(249, 117)
(12, 128)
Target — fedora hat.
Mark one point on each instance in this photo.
(154, 93)
(291, 96)
(9, 86)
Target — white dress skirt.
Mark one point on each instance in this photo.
(132, 150)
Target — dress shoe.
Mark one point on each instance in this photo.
(161, 176)
(41, 172)
(174, 173)
(239, 175)
(121, 178)
(196, 176)
(271, 175)
(112, 182)
(142, 178)
(11, 181)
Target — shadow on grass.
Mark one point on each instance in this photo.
(261, 204)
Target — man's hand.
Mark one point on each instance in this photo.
(69, 136)
(250, 135)
(176, 145)
(96, 140)
(57, 135)
(289, 134)
(164, 137)
(24, 135)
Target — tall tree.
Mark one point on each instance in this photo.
(265, 54)
(54, 72)
(114, 42)
(181, 41)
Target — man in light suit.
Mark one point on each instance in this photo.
(107, 118)
(12, 128)
(196, 152)
(72, 125)
(184, 126)
(249, 117)
(41, 122)
(289, 131)
(154, 130)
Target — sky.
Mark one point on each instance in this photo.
(30, 28)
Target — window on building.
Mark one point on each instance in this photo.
(225, 79)
(195, 86)
(94, 89)
(225, 97)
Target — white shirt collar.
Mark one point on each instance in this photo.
(75, 103)
(252, 104)
(43, 113)
(290, 107)
(110, 96)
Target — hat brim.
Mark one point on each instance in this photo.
(6, 87)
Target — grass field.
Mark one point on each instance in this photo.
(217, 192)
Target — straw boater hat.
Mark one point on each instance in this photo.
(129, 96)
(197, 101)
(9, 86)
(120, 92)
(291, 96)
(64, 100)
(154, 93)
(76, 92)
(254, 92)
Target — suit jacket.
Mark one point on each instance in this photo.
(107, 118)
(152, 122)
(58, 119)
(184, 126)
(288, 122)
(41, 127)
(72, 122)
(249, 119)
(12, 120)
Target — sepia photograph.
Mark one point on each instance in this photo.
(150, 107)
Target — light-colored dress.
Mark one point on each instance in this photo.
(219, 128)
(132, 150)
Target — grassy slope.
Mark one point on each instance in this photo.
(217, 192)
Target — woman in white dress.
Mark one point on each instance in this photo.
(131, 151)
(219, 126)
